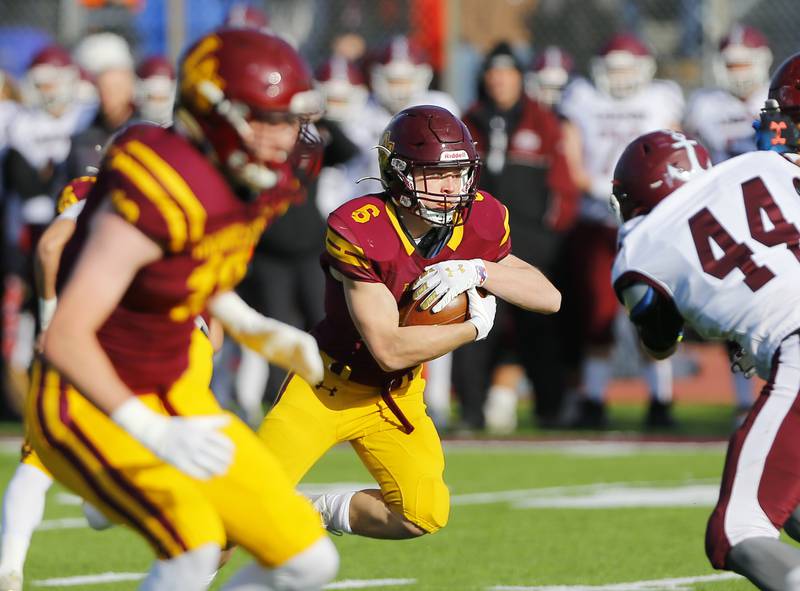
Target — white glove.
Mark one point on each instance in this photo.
(279, 343)
(194, 445)
(444, 281)
(481, 312)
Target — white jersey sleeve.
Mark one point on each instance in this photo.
(723, 248)
(73, 211)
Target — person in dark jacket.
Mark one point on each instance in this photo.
(520, 143)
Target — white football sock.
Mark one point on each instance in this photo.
(743, 389)
(308, 571)
(190, 571)
(251, 382)
(437, 389)
(334, 509)
(658, 375)
(23, 509)
(596, 375)
(500, 410)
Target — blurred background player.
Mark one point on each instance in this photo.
(155, 90)
(223, 172)
(549, 74)
(520, 144)
(623, 103)
(430, 232)
(722, 119)
(108, 60)
(34, 170)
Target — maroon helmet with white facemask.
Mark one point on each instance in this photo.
(420, 141)
(742, 66)
(652, 167)
(51, 79)
(155, 89)
(623, 67)
(549, 74)
(344, 88)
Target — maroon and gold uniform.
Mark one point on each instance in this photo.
(164, 186)
(366, 242)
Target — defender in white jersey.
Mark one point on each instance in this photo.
(719, 249)
(722, 117)
(623, 103)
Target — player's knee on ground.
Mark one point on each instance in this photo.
(430, 508)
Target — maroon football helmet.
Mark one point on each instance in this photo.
(623, 66)
(51, 79)
(155, 89)
(742, 65)
(418, 141)
(785, 87)
(653, 166)
(344, 87)
(549, 74)
(248, 16)
(232, 77)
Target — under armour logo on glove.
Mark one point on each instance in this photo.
(443, 282)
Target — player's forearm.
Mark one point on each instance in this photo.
(523, 286)
(408, 346)
(80, 358)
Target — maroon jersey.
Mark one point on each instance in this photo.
(164, 186)
(366, 242)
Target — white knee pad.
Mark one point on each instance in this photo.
(308, 571)
(191, 571)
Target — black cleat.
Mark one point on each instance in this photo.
(591, 415)
(659, 416)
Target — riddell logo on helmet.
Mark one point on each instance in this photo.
(449, 155)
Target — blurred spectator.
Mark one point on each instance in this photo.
(155, 90)
(520, 144)
(245, 15)
(107, 58)
(623, 103)
(722, 119)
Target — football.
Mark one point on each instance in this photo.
(411, 314)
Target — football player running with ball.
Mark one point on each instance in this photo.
(718, 249)
(429, 231)
(121, 411)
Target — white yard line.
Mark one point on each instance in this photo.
(117, 577)
(520, 496)
(678, 584)
(63, 523)
(369, 583)
(89, 580)
(583, 447)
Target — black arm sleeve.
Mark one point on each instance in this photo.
(22, 178)
(659, 325)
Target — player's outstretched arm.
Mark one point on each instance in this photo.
(45, 265)
(279, 343)
(522, 284)
(656, 319)
(112, 256)
(374, 313)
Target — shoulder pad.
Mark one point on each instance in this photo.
(368, 223)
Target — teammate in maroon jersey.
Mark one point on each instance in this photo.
(121, 412)
(430, 231)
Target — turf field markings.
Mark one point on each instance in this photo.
(103, 578)
(369, 583)
(68, 499)
(677, 584)
(517, 496)
(99, 579)
(585, 447)
(63, 523)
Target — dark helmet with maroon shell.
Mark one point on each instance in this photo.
(418, 142)
(653, 166)
(231, 77)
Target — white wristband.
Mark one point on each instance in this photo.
(47, 307)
